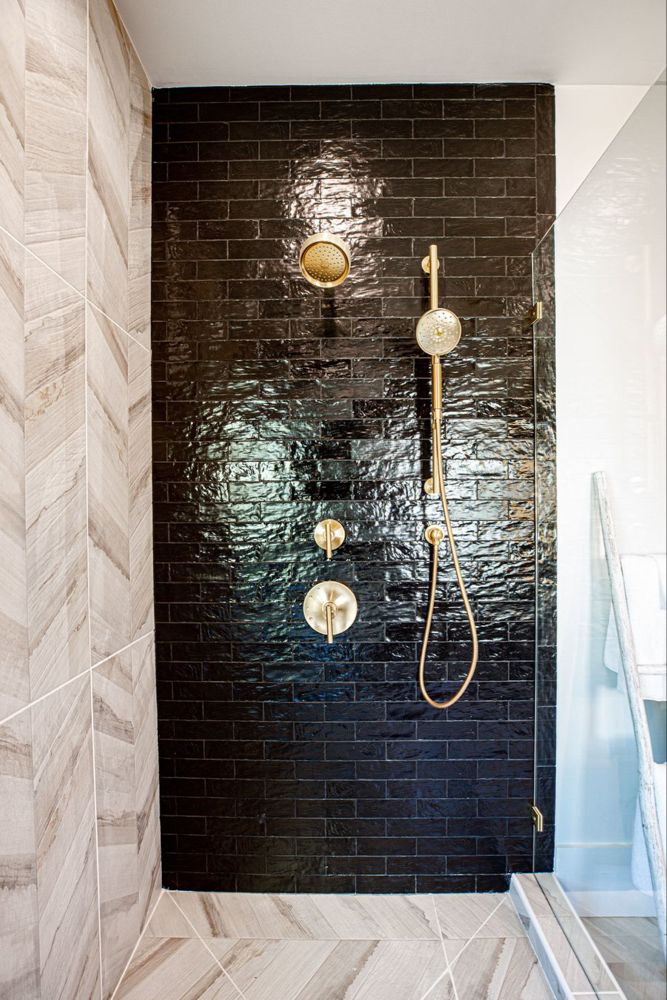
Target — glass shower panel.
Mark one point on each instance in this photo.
(607, 338)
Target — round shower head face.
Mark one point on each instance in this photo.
(324, 260)
(438, 331)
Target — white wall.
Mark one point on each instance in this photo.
(610, 362)
(587, 119)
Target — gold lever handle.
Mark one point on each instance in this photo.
(330, 611)
(329, 535)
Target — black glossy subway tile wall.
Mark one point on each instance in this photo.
(286, 764)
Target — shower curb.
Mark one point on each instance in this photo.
(554, 952)
(536, 935)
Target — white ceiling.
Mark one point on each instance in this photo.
(208, 42)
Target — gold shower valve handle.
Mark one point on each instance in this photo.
(329, 535)
(330, 612)
(330, 608)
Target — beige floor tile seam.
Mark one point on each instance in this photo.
(202, 940)
(77, 291)
(483, 924)
(77, 677)
(149, 917)
(448, 968)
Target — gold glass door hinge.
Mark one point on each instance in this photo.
(537, 817)
(535, 314)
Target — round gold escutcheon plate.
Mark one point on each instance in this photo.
(340, 597)
(334, 529)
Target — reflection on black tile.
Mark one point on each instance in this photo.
(289, 765)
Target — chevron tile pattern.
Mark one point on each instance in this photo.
(245, 946)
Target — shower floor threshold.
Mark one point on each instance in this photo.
(574, 968)
(242, 946)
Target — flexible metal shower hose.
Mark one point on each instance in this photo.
(437, 458)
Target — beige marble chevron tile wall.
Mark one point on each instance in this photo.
(79, 828)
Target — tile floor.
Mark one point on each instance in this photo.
(219, 946)
(631, 948)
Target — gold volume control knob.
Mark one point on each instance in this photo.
(329, 535)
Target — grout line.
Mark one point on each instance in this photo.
(149, 917)
(97, 836)
(437, 983)
(239, 991)
(77, 677)
(87, 507)
(474, 936)
(82, 295)
(448, 966)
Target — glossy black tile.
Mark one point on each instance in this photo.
(288, 765)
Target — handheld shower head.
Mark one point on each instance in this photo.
(324, 260)
(438, 331)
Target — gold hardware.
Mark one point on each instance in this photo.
(324, 260)
(438, 332)
(330, 611)
(434, 534)
(330, 608)
(536, 313)
(329, 535)
(537, 817)
(430, 266)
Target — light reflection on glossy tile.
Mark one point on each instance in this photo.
(108, 489)
(55, 480)
(19, 947)
(108, 162)
(65, 842)
(55, 146)
(12, 116)
(14, 677)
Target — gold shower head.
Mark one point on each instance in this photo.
(324, 260)
(438, 331)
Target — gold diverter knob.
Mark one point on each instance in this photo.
(330, 608)
(329, 535)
